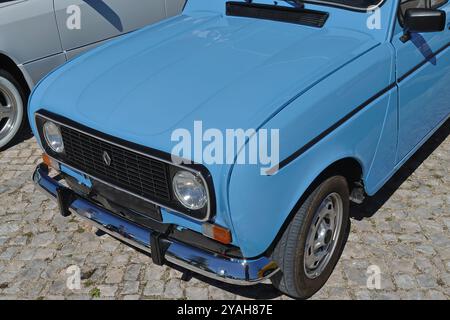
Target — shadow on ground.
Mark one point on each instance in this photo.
(24, 135)
(374, 203)
(258, 291)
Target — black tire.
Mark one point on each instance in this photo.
(289, 252)
(19, 96)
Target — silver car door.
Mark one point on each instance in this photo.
(29, 36)
(174, 7)
(84, 24)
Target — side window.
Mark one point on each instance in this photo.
(418, 4)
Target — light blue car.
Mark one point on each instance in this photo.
(350, 88)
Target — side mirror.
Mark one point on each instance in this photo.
(425, 20)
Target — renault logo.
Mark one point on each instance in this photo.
(106, 158)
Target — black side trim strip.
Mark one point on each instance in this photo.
(317, 139)
(427, 59)
(325, 133)
(297, 15)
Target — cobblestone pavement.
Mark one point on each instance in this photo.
(404, 230)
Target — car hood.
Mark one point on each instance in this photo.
(227, 72)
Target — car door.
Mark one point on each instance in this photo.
(174, 7)
(423, 76)
(83, 24)
(29, 36)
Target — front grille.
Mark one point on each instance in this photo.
(129, 170)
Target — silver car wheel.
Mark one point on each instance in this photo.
(11, 111)
(323, 235)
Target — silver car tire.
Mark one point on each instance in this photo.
(11, 108)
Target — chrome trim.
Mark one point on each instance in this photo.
(208, 212)
(218, 267)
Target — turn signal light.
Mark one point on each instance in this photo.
(217, 233)
(50, 162)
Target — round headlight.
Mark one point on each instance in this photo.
(53, 137)
(190, 190)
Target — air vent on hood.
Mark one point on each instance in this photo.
(296, 15)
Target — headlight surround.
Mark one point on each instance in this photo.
(190, 190)
(53, 137)
(170, 202)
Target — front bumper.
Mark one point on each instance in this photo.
(218, 267)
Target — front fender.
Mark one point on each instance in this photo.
(259, 205)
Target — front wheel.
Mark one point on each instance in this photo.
(12, 102)
(312, 243)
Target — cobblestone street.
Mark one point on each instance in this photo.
(404, 230)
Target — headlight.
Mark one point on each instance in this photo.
(190, 190)
(53, 137)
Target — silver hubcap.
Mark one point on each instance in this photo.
(323, 235)
(10, 115)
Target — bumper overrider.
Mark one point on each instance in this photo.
(219, 267)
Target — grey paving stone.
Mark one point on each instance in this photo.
(154, 272)
(339, 293)
(414, 294)
(363, 295)
(130, 287)
(114, 276)
(154, 288)
(8, 253)
(173, 289)
(9, 228)
(43, 239)
(132, 272)
(405, 281)
(194, 293)
(427, 281)
(108, 290)
(132, 297)
(435, 295)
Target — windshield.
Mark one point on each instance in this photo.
(360, 5)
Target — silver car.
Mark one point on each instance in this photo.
(38, 35)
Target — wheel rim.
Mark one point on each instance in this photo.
(9, 111)
(323, 235)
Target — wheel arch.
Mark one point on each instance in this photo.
(10, 66)
(350, 168)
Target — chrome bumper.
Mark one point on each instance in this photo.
(222, 268)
